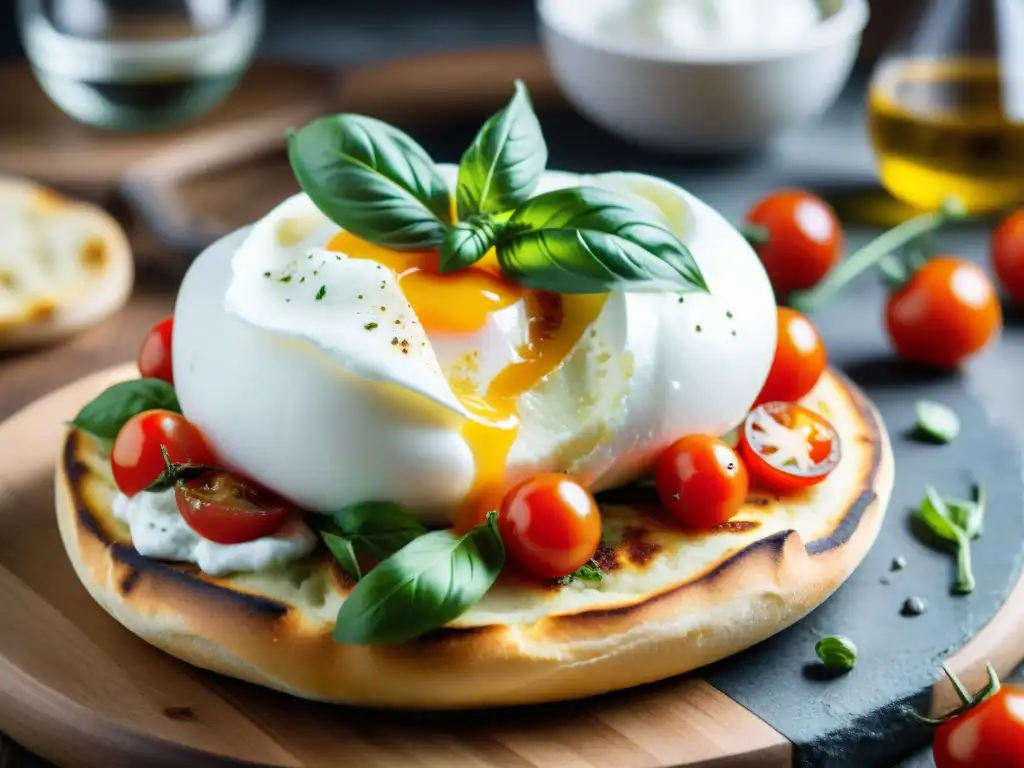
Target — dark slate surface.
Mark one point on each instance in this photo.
(857, 719)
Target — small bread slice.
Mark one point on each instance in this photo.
(64, 264)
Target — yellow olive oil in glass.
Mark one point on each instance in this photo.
(941, 128)
(946, 108)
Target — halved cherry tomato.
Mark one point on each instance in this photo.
(550, 525)
(788, 447)
(989, 734)
(800, 359)
(804, 239)
(947, 312)
(155, 353)
(1008, 255)
(136, 460)
(225, 509)
(701, 481)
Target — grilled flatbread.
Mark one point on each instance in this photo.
(64, 264)
(669, 601)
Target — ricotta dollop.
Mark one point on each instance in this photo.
(159, 531)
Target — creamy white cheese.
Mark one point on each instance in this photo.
(159, 531)
(702, 24)
(315, 398)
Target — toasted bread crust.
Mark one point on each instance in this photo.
(104, 267)
(276, 633)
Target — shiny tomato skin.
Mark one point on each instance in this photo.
(701, 481)
(550, 524)
(228, 510)
(135, 457)
(992, 735)
(947, 312)
(800, 359)
(154, 358)
(805, 239)
(823, 448)
(1007, 249)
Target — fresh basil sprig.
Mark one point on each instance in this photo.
(956, 529)
(176, 473)
(467, 242)
(372, 180)
(431, 581)
(105, 415)
(502, 166)
(592, 240)
(372, 529)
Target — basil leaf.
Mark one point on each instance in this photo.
(431, 581)
(502, 166)
(935, 514)
(372, 180)
(105, 415)
(936, 422)
(342, 550)
(591, 240)
(467, 242)
(377, 529)
(969, 515)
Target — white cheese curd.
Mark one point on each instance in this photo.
(299, 394)
(701, 24)
(159, 531)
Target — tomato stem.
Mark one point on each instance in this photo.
(968, 702)
(874, 252)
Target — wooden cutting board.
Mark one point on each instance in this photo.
(177, 191)
(79, 690)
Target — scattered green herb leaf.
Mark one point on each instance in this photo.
(838, 653)
(936, 422)
(343, 551)
(321, 293)
(589, 571)
(370, 326)
(107, 413)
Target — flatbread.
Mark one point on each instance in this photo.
(64, 264)
(670, 601)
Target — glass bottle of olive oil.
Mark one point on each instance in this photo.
(946, 107)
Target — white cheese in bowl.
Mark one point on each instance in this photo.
(702, 24)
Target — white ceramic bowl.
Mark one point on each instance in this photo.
(712, 100)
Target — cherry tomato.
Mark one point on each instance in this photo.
(550, 525)
(225, 509)
(701, 481)
(136, 459)
(804, 239)
(155, 353)
(800, 359)
(1008, 255)
(944, 314)
(989, 734)
(788, 447)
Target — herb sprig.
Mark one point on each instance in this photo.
(955, 522)
(379, 184)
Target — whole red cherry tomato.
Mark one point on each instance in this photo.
(136, 459)
(800, 359)
(1008, 255)
(225, 509)
(804, 239)
(986, 732)
(788, 447)
(945, 313)
(155, 353)
(701, 481)
(550, 525)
